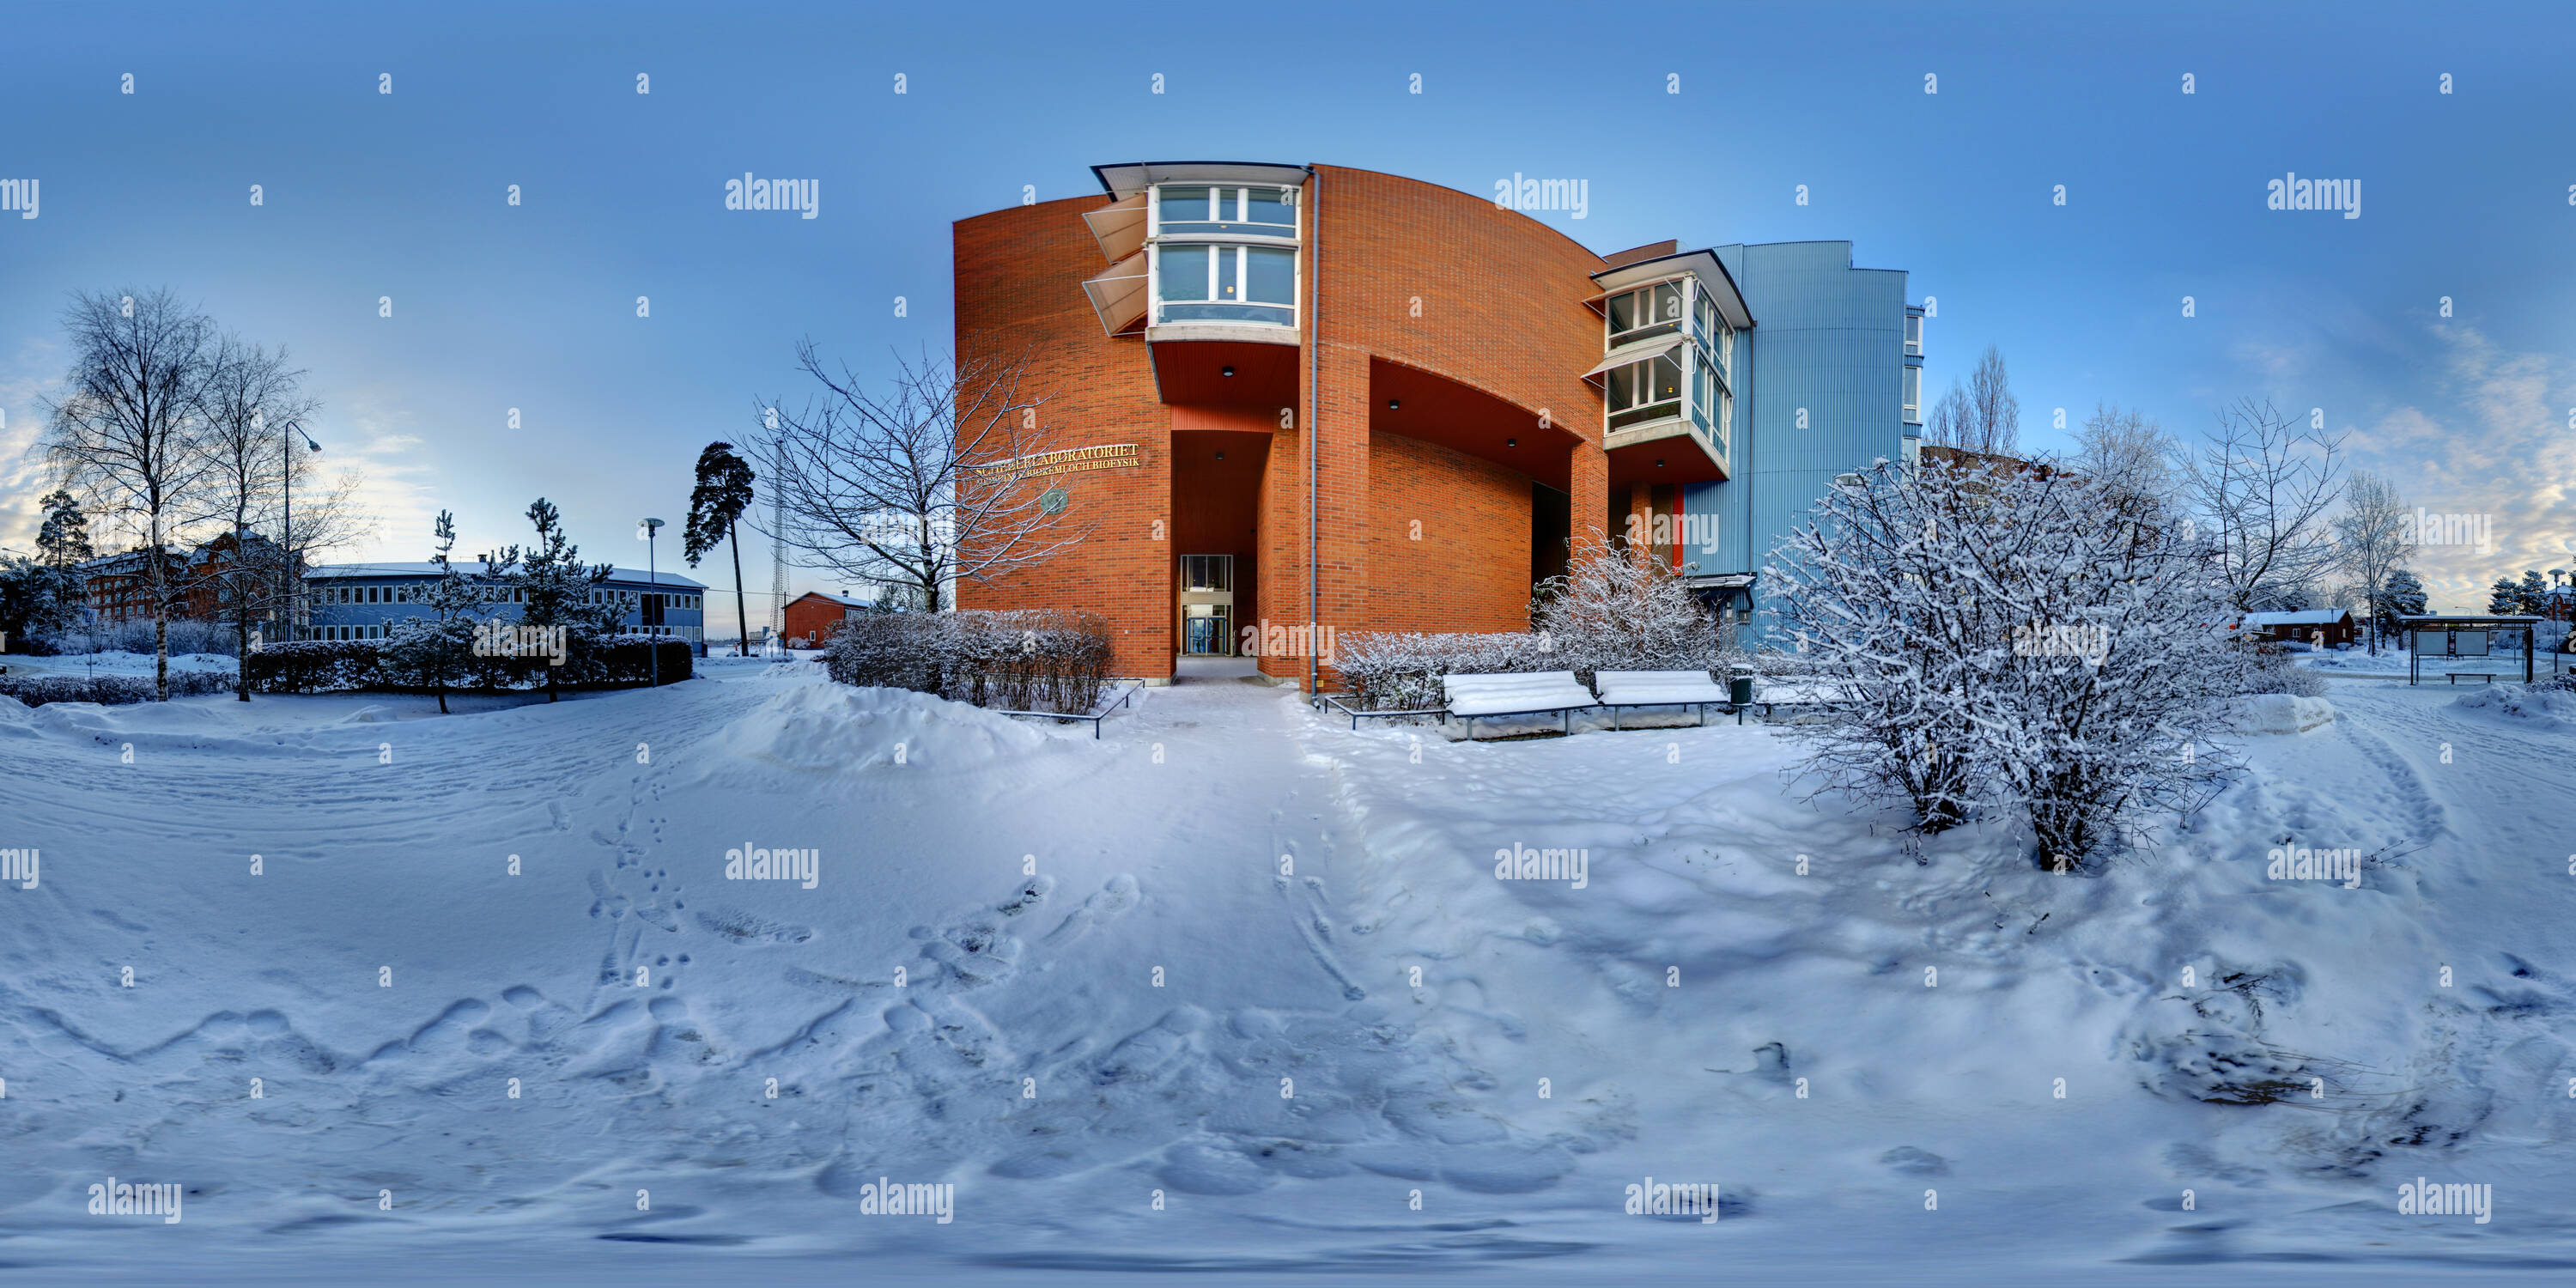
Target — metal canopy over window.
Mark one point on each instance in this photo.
(1637, 351)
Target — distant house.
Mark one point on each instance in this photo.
(2327, 626)
(812, 615)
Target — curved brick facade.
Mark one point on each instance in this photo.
(1471, 318)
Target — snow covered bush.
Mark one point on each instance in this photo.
(2270, 669)
(110, 690)
(1021, 660)
(186, 636)
(1617, 609)
(316, 666)
(2002, 635)
(1613, 610)
(1401, 670)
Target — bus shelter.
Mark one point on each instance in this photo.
(2459, 645)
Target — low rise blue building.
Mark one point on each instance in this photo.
(1828, 382)
(364, 601)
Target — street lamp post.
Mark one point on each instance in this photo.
(653, 574)
(295, 585)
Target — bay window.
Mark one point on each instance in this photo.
(1644, 312)
(1228, 212)
(1203, 282)
(1644, 391)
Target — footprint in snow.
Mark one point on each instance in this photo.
(1114, 900)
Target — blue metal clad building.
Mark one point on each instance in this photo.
(361, 601)
(1822, 389)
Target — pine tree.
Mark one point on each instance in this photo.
(64, 539)
(2402, 597)
(715, 506)
(442, 645)
(555, 588)
(2504, 596)
(2532, 596)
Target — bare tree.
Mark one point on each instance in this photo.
(251, 395)
(129, 428)
(2129, 455)
(2371, 531)
(2264, 485)
(1982, 416)
(929, 482)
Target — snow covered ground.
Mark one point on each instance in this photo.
(1234, 989)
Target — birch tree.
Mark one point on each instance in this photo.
(129, 427)
(922, 483)
(2266, 486)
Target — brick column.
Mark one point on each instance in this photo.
(1590, 490)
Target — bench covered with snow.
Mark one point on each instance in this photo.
(1657, 689)
(1528, 693)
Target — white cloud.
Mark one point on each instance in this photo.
(2496, 443)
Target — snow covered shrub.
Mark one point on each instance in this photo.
(316, 666)
(620, 661)
(1401, 670)
(1619, 610)
(1021, 660)
(1868, 594)
(889, 650)
(2001, 634)
(1034, 659)
(110, 690)
(2270, 669)
(134, 635)
(1613, 610)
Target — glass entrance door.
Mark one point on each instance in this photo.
(1207, 605)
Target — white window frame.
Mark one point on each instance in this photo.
(1241, 203)
(1242, 266)
(1914, 335)
(1910, 394)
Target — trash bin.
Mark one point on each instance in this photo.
(1739, 694)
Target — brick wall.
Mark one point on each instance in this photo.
(1440, 281)
(1469, 571)
(1019, 290)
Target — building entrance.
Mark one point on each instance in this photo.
(1207, 605)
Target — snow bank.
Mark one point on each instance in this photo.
(2545, 708)
(823, 727)
(2281, 713)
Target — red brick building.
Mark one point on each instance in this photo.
(810, 617)
(119, 588)
(1353, 399)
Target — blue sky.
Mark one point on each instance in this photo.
(367, 195)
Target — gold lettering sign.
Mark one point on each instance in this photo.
(1072, 460)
